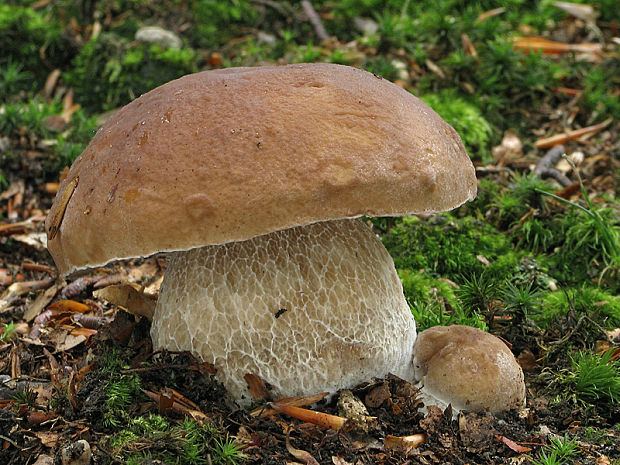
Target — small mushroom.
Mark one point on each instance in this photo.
(468, 368)
(252, 179)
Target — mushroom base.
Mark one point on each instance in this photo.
(309, 309)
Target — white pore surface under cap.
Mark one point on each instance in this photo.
(308, 309)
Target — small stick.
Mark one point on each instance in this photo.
(315, 20)
(324, 420)
(571, 135)
(545, 166)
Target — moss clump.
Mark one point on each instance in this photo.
(187, 443)
(433, 302)
(217, 21)
(32, 40)
(109, 72)
(598, 305)
(424, 289)
(449, 246)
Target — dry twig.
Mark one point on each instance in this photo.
(315, 20)
(545, 168)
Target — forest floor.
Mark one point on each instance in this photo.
(79, 381)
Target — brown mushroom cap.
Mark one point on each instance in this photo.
(231, 154)
(468, 368)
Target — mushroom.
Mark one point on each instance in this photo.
(252, 179)
(468, 368)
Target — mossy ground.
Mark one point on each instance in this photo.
(531, 260)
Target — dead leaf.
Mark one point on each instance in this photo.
(510, 149)
(44, 460)
(512, 445)
(300, 454)
(570, 191)
(37, 417)
(169, 399)
(68, 107)
(337, 460)
(580, 11)
(55, 123)
(72, 392)
(377, 396)
(69, 306)
(50, 83)
(258, 388)
(468, 46)
(23, 287)
(47, 438)
(435, 68)
(404, 444)
(539, 44)
(527, 361)
(37, 241)
(128, 296)
(614, 335)
(476, 431)
(64, 340)
(489, 14)
(294, 401)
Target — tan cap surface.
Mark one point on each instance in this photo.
(231, 154)
(468, 368)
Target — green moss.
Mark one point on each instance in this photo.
(110, 72)
(187, 443)
(581, 245)
(425, 289)
(595, 378)
(29, 116)
(433, 302)
(217, 21)
(601, 306)
(448, 246)
(33, 40)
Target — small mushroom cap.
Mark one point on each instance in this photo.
(468, 368)
(231, 154)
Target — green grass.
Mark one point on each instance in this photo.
(8, 331)
(594, 378)
(559, 451)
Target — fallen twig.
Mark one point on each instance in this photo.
(571, 135)
(553, 47)
(324, 420)
(315, 20)
(294, 401)
(545, 168)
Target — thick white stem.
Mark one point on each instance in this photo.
(308, 309)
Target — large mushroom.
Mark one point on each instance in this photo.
(252, 179)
